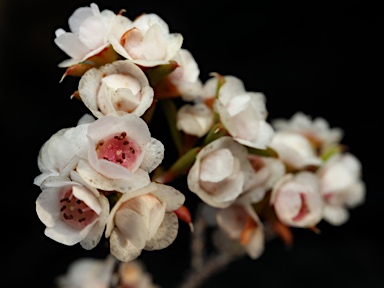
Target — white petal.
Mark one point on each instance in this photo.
(166, 233)
(154, 155)
(121, 248)
(217, 166)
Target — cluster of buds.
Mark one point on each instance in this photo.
(104, 176)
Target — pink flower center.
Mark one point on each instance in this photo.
(304, 210)
(75, 212)
(119, 149)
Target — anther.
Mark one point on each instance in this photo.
(78, 201)
(64, 199)
(63, 208)
(82, 219)
(132, 150)
(80, 211)
(126, 142)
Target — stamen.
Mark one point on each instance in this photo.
(63, 208)
(64, 199)
(126, 142)
(80, 211)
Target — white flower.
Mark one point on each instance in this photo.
(88, 273)
(186, 76)
(220, 173)
(120, 145)
(294, 149)
(72, 211)
(316, 130)
(341, 187)
(243, 114)
(241, 223)
(120, 86)
(267, 171)
(88, 33)
(194, 119)
(132, 274)
(58, 154)
(143, 219)
(147, 41)
(297, 200)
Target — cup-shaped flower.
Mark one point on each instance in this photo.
(87, 273)
(194, 119)
(267, 171)
(120, 145)
(341, 187)
(72, 211)
(117, 87)
(294, 149)
(317, 130)
(88, 33)
(58, 154)
(220, 173)
(147, 42)
(241, 223)
(297, 201)
(243, 114)
(183, 81)
(143, 219)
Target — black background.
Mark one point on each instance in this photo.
(324, 59)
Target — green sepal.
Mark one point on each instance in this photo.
(268, 152)
(158, 73)
(330, 151)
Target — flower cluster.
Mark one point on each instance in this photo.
(104, 176)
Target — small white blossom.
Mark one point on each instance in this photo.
(143, 219)
(186, 76)
(220, 173)
(297, 200)
(133, 274)
(120, 86)
(88, 273)
(267, 171)
(316, 130)
(88, 33)
(147, 41)
(59, 153)
(194, 119)
(294, 149)
(243, 114)
(341, 187)
(241, 223)
(72, 211)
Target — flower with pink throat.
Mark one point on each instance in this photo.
(341, 187)
(143, 219)
(121, 145)
(297, 201)
(147, 41)
(72, 211)
(120, 87)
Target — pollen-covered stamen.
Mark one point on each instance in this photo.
(118, 148)
(75, 212)
(303, 209)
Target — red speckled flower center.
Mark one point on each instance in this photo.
(75, 212)
(119, 149)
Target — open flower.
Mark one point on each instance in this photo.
(120, 145)
(221, 172)
(143, 219)
(341, 187)
(241, 223)
(72, 211)
(120, 86)
(88, 33)
(294, 149)
(147, 41)
(194, 119)
(243, 114)
(317, 130)
(297, 201)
